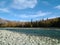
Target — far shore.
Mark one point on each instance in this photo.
(30, 28)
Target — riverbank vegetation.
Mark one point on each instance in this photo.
(42, 23)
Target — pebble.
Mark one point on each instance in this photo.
(14, 38)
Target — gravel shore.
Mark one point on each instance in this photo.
(14, 38)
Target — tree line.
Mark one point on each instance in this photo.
(42, 23)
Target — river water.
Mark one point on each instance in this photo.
(9, 36)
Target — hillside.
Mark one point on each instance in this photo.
(51, 22)
(55, 22)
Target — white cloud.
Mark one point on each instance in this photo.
(36, 15)
(23, 4)
(4, 10)
(57, 7)
(40, 13)
(24, 20)
(53, 17)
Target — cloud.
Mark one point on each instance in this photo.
(23, 4)
(36, 15)
(4, 10)
(24, 20)
(51, 17)
(40, 13)
(3, 6)
(57, 7)
(18, 4)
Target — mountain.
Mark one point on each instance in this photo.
(2, 21)
(55, 22)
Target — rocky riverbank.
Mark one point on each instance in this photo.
(14, 38)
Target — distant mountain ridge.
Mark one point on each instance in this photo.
(2, 20)
(55, 22)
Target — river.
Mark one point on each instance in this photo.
(29, 36)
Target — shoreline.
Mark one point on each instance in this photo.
(30, 28)
(13, 38)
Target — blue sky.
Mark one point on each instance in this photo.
(25, 10)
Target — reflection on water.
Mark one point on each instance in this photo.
(29, 37)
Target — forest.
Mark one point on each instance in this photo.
(55, 22)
